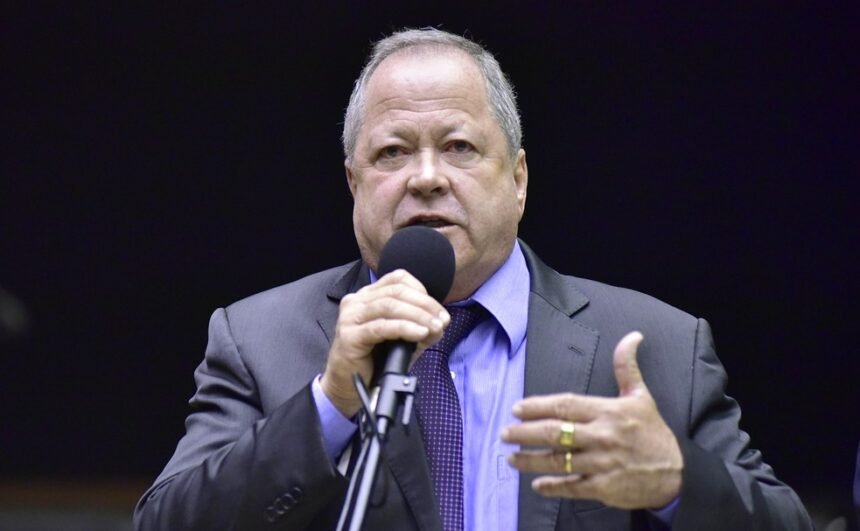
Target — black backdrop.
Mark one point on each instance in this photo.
(159, 163)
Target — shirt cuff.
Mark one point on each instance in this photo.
(666, 513)
(337, 430)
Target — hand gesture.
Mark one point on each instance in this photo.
(615, 450)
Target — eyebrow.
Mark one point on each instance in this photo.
(407, 133)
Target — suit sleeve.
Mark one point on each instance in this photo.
(236, 468)
(726, 485)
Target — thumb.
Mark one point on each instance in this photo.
(627, 372)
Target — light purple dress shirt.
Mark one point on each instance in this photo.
(488, 368)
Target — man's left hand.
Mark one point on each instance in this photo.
(623, 453)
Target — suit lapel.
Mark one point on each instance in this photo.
(559, 358)
(412, 475)
(353, 279)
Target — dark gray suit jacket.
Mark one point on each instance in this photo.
(253, 456)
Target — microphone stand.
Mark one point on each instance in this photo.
(396, 389)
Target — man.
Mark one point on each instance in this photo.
(561, 427)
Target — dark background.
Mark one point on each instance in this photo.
(159, 163)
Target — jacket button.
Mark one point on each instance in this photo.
(270, 516)
(296, 493)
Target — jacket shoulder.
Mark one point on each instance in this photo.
(625, 301)
(303, 290)
(602, 302)
(292, 303)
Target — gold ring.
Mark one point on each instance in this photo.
(568, 462)
(565, 438)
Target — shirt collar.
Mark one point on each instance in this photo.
(506, 296)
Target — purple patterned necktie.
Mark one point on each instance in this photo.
(438, 411)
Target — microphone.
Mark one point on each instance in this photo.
(425, 253)
(429, 257)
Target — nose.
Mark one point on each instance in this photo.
(428, 178)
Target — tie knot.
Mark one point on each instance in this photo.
(463, 320)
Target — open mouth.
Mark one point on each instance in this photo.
(432, 223)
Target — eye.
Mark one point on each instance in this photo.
(391, 152)
(460, 146)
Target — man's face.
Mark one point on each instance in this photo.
(430, 152)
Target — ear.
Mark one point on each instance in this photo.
(521, 180)
(350, 179)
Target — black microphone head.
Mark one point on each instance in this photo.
(426, 254)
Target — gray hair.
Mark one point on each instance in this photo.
(500, 93)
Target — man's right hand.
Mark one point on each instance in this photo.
(395, 307)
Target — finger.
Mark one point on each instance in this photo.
(538, 461)
(552, 462)
(565, 406)
(627, 372)
(409, 291)
(379, 330)
(400, 276)
(389, 308)
(398, 290)
(392, 301)
(569, 486)
(544, 433)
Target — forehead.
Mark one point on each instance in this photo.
(425, 77)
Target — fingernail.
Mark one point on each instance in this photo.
(518, 409)
(436, 324)
(505, 433)
(444, 316)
